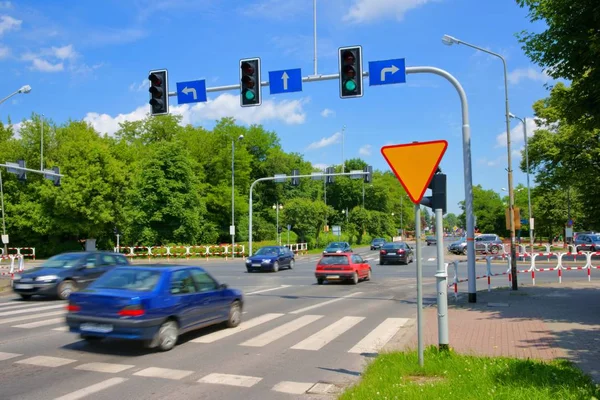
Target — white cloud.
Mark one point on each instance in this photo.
(326, 141)
(138, 87)
(226, 105)
(45, 66)
(4, 52)
(519, 74)
(275, 9)
(365, 150)
(370, 10)
(65, 52)
(516, 133)
(8, 23)
(327, 112)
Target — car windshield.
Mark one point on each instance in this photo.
(335, 245)
(267, 251)
(67, 260)
(136, 279)
(334, 260)
(595, 238)
(378, 240)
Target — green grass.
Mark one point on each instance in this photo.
(447, 375)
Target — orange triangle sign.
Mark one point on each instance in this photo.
(414, 164)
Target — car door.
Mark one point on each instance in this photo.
(359, 265)
(211, 302)
(89, 270)
(183, 289)
(284, 257)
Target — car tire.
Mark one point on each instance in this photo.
(464, 251)
(235, 315)
(368, 278)
(320, 281)
(25, 296)
(276, 266)
(65, 288)
(355, 278)
(381, 262)
(292, 264)
(166, 337)
(494, 249)
(249, 270)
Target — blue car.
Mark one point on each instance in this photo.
(271, 258)
(154, 304)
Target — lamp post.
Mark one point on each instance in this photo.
(232, 227)
(524, 121)
(24, 89)
(277, 207)
(449, 40)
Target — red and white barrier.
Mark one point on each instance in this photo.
(14, 267)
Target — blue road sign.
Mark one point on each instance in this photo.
(285, 81)
(386, 72)
(191, 92)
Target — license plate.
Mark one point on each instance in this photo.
(100, 328)
(23, 286)
(256, 265)
(333, 277)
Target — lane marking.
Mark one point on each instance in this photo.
(62, 329)
(104, 367)
(326, 335)
(31, 316)
(280, 331)
(8, 356)
(166, 373)
(13, 312)
(379, 336)
(301, 310)
(20, 304)
(431, 259)
(232, 380)
(212, 337)
(45, 361)
(292, 387)
(268, 290)
(37, 324)
(86, 391)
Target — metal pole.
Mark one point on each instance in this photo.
(9, 96)
(363, 194)
(118, 247)
(528, 187)
(315, 33)
(441, 277)
(277, 224)
(402, 216)
(3, 220)
(42, 146)
(232, 198)
(343, 161)
(419, 284)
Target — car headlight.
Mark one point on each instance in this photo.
(47, 278)
(248, 261)
(16, 277)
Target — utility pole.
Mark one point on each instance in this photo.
(3, 220)
(42, 146)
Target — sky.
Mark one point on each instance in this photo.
(90, 60)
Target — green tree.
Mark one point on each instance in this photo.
(489, 210)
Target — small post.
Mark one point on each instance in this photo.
(441, 277)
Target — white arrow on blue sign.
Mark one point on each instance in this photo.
(387, 72)
(285, 81)
(191, 92)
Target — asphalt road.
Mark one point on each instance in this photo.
(298, 340)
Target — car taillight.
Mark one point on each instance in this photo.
(132, 311)
(73, 308)
(400, 252)
(383, 252)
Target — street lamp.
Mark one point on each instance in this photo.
(278, 207)
(232, 227)
(449, 41)
(524, 121)
(24, 89)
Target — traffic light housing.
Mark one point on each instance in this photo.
(437, 200)
(351, 71)
(330, 179)
(250, 88)
(295, 180)
(21, 174)
(279, 229)
(368, 178)
(159, 92)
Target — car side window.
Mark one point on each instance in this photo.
(182, 283)
(108, 259)
(90, 261)
(121, 260)
(204, 282)
(357, 259)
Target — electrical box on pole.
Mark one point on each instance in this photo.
(295, 181)
(21, 174)
(159, 92)
(330, 179)
(351, 71)
(437, 200)
(250, 94)
(369, 176)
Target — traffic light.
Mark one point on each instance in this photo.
(279, 229)
(295, 181)
(21, 174)
(350, 63)
(159, 92)
(437, 199)
(369, 176)
(250, 89)
(56, 179)
(329, 179)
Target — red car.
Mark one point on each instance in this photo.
(346, 266)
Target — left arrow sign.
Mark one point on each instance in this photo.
(188, 90)
(191, 92)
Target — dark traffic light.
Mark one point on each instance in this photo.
(279, 229)
(250, 89)
(21, 174)
(159, 92)
(329, 179)
(350, 64)
(295, 181)
(368, 177)
(437, 200)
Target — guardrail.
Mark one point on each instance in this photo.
(13, 268)
(17, 251)
(206, 251)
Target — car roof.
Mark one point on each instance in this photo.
(161, 267)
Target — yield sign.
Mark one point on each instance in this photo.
(414, 164)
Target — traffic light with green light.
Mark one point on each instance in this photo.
(350, 63)
(250, 94)
(159, 92)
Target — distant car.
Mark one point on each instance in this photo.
(430, 240)
(66, 273)
(490, 242)
(342, 267)
(271, 258)
(338, 247)
(587, 242)
(154, 303)
(377, 243)
(396, 252)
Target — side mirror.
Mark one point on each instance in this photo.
(223, 286)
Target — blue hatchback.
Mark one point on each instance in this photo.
(154, 303)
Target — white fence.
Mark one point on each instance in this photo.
(206, 251)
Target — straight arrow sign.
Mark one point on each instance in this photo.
(285, 78)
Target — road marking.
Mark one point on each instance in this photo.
(37, 324)
(268, 290)
(167, 373)
(292, 387)
(232, 380)
(8, 356)
(13, 312)
(326, 335)
(45, 361)
(280, 331)
(211, 337)
(31, 316)
(18, 304)
(104, 367)
(324, 303)
(379, 336)
(81, 393)
(61, 329)
(431, 259)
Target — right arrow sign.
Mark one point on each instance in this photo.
(387, 72)
(414, 164)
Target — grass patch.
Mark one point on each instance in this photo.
(448, 375)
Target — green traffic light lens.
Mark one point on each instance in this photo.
(350, 85)
(249, 95)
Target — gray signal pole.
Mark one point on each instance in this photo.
(441, 277)
(419, 284)
(3, 221)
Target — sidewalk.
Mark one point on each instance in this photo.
(543, 322)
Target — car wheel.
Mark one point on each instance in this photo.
(494, 249)
(465, 251)
(25, 296)
(249, 270)
(368, 278)
(381, 262)
(166, 337)
(91, 339)
(235, 315)
(292, 264)
(65, 288)
(355, 278)
(276, 266)
(320, 281)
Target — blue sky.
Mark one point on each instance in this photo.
(89, 60)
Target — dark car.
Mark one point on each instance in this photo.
(587, 242)
(430, 240)
(338, 247)
(271, 258)
(397, 252)
(65, 273)
(154, 303)
(377, 243)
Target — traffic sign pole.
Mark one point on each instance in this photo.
(441, 277)
(419, 284)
